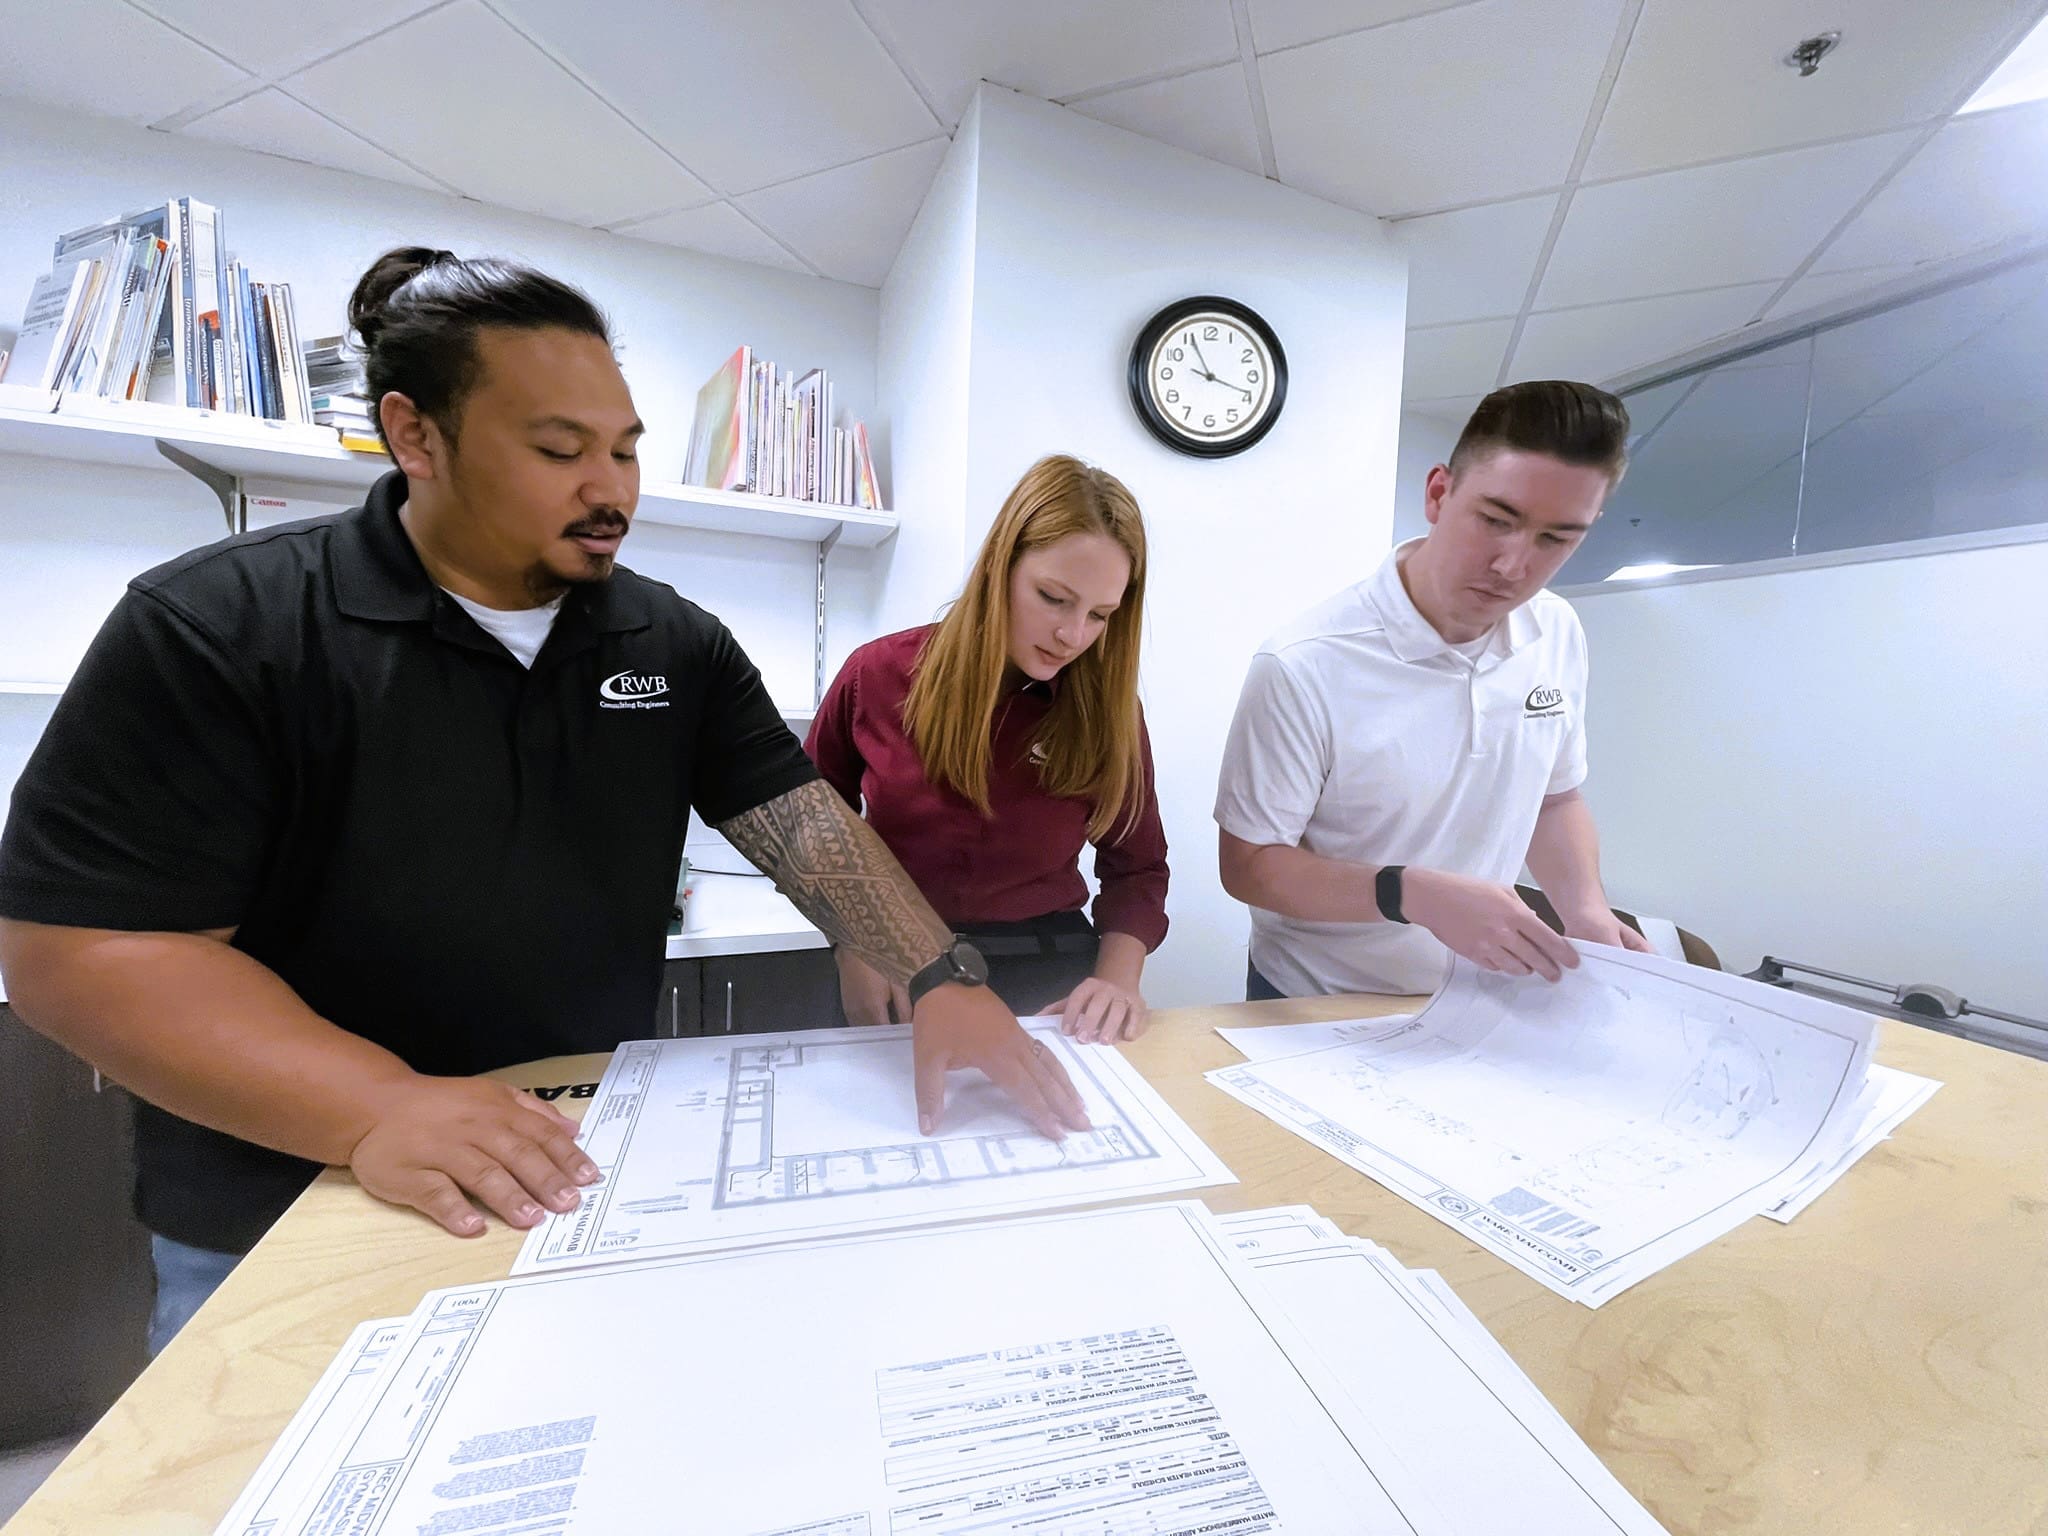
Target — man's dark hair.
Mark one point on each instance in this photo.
(418, 311)
(1572, 422)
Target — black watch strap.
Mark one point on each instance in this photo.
(1386, 890)
(958, 962)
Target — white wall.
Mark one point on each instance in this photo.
(70, 536)
(1426, 441)
(922, 353)
(1081, 232)
(1841, 765)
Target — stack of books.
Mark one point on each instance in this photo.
(147, 308)
(764, 429)
(340, 394)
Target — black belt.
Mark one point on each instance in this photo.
(1057, 933)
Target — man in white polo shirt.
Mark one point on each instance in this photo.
(1402, 749)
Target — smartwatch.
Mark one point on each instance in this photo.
(1386, 890)
(958, 962)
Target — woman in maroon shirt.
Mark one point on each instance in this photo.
(987, 748)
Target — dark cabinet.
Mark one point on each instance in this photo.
(76, 1283)
(747, 994)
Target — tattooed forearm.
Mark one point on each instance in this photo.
(842, 878)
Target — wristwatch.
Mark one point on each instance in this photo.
(958, 962)
(1386, 890)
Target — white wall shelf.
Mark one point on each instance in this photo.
(10, 685)
(254, 451)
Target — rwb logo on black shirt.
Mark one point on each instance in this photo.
(633, 690)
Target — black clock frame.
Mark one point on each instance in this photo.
(1168, 319)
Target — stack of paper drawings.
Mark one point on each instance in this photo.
(1593, 1130)
(1139, 1369)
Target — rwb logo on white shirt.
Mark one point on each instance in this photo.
(633, 690)
(1543, 702)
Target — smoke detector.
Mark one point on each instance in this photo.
(1807, 56)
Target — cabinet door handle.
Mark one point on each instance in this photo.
(675, 1021)
(728, 1007)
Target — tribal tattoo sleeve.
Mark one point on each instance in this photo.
(842, 877)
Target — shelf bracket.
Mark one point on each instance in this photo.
(818, 629)
(234, 503)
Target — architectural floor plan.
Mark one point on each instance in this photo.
(1591, 1130)
(729, 1140)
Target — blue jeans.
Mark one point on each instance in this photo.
(1257, 989)
(185, 1277)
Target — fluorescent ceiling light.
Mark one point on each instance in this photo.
(2022, 77)
(1654, 568)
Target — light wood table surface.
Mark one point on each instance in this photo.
(1880, 1365)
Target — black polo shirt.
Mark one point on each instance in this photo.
(297, 734)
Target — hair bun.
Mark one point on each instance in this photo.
(388, 273)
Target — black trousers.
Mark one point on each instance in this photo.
(1038, 961)
(1256, 988)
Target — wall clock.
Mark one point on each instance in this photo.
(1208, 376)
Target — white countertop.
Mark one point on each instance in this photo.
(739, 915)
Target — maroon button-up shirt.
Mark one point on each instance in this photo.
(1022, 860)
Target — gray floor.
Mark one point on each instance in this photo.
(23, 1469)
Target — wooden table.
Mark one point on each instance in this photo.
(1879, 1365)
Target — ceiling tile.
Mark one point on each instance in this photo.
(1818, 288)
(105, 58)
(1704, 81)
(1289, 23)
(1742, 221)
(850, 222)
(1049, 48)
(1454, 359)
(1466, 105)
(1475, 263)
(1981, 180)
(509, 126)
(717, 229)
(1453, 413)
(1207, 113)
(272, 123)
(267, 37)
(1599, 343)
(744, 94)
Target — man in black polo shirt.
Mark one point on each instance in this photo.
(336, 815)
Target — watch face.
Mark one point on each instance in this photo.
(968, 964)
(1208, 377)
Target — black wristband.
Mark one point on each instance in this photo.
(1386, 890)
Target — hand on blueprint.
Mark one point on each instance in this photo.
(957, 1027)
(1099, 1009)
(1486, 923)
(865, 995)
(1599, 925)
(438, 1141)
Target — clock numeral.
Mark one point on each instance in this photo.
(1208, 333)
(1232, 413)
(1188, 337)
(1178, 354)
(1208, 421)
(1166, 373)
(1173, 397)
(1251, 376)
(1230, 336)
(1248, 356)
(1186, 411)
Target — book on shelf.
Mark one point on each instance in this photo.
(149, 309)
(775, 432)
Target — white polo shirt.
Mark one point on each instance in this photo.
(1363, 735)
